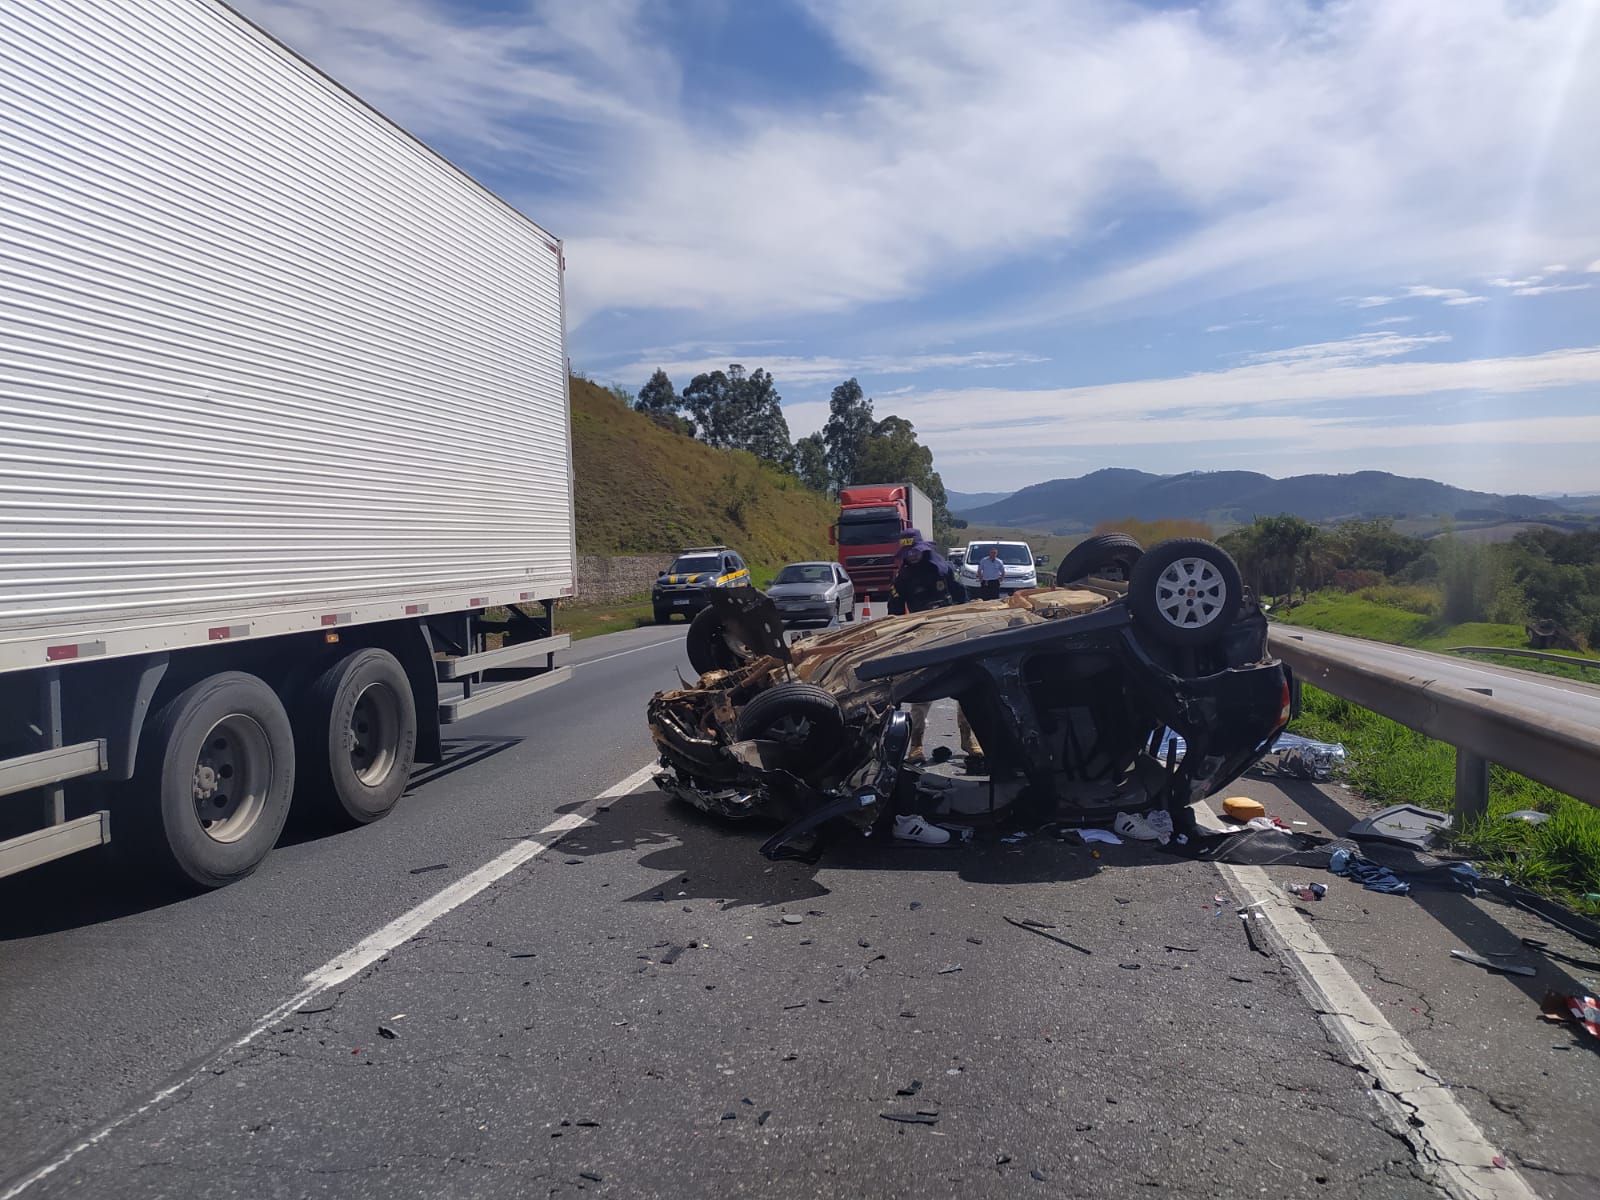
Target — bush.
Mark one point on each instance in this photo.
(1355, 581)
(1411, 598)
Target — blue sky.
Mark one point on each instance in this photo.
(1277, 235)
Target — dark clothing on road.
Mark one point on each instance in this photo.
(988, 589)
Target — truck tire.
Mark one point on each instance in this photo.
(802, 718)
(1096, 554)
(709, 646)
(357, 737)
(214, 780)
(1185, 592)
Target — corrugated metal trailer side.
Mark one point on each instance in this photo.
(272, 374)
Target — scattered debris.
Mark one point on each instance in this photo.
(1001, 1160)
(1037, 1174)
(1032, 924)
(1499, 1160)
(915, 1118)
(1531, 815)
(911, 1089)
(1583, 1010)
(434, 867)
(385, 1032)
(790, 1057)
(1404, 825)
(788, 1007)
(950, 970)
(1478, 960)
(1182, 949)
(792, 918)
(1307, 891)
(762, 1119)
(1242, 808)
(587, 1123)
(1240, 979)
(1367, 873)
(975, 941)
(916, 904)
(1034, 928)
(730, 1116)
(528, 954)
(1129, 966)
(672, 955)
(1584, 964)
(590, 1176)
(1087, 836)
(571, 862)
(863, 943)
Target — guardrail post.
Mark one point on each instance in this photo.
(1472, 781)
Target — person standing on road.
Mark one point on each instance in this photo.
(922, 582)
(990, 572)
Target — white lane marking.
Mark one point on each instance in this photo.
(608, 657)
(565, 823)
(1440, 1130)
(342, 967)
(629, 785)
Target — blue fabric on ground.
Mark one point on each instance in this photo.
(1367, 873)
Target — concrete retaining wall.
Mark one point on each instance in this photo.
(604, 580)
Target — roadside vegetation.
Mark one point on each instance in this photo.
(1366, 579)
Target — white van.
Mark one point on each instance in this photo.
(1022, 569)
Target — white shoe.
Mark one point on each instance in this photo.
(915, 829)
(1130, 825)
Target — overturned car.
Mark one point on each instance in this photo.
(1076, 693)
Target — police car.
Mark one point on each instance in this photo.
(682, 587)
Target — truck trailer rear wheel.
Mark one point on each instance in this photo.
(216, 772)
(358, 736)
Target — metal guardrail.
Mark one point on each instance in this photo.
(1592, 664)
(1548, 747)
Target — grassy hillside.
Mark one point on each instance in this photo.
(641, 489)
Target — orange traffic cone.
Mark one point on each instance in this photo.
(866, 609)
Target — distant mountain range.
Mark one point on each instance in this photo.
(1238, 497)
(961, 501)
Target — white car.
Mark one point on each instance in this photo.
(1022, 569)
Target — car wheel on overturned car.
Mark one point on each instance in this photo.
(711, 646)
(802, 718)
(1185, 592)
(1097, 553)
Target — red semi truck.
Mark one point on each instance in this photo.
(872, 516)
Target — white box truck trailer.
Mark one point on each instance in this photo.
(283, 424)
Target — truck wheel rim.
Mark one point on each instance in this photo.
(232, 775)
(374, 732)
(1191, 593)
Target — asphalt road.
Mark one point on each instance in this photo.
(1544, 693)
(627, 1011)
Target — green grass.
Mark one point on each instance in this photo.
(642, 489)
(591, 620)
(1391, 764)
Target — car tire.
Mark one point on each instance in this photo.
(1185, 592)
(358, 737)
(229, 736)
(804, 719)
(709, 647)
(1097, 553)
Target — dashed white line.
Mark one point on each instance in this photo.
(620, 653)
(1444, 1134)
(343, 967)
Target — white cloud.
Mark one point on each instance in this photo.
(1265, 398)
(1552, 287)
(1459, 300)
(1555, 270)
(1373, 301)
(1503, 282)
(1363, 347)
(1435, 292)
(976, 142)
(1378, 324)
(1593, 267)
(815, 369)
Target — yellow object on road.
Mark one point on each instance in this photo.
(1242, 808)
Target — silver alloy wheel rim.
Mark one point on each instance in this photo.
(1191, 593)
(232, 774)
(374, 734)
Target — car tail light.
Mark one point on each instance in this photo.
(1287, 703)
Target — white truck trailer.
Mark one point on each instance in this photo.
(285, 447)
